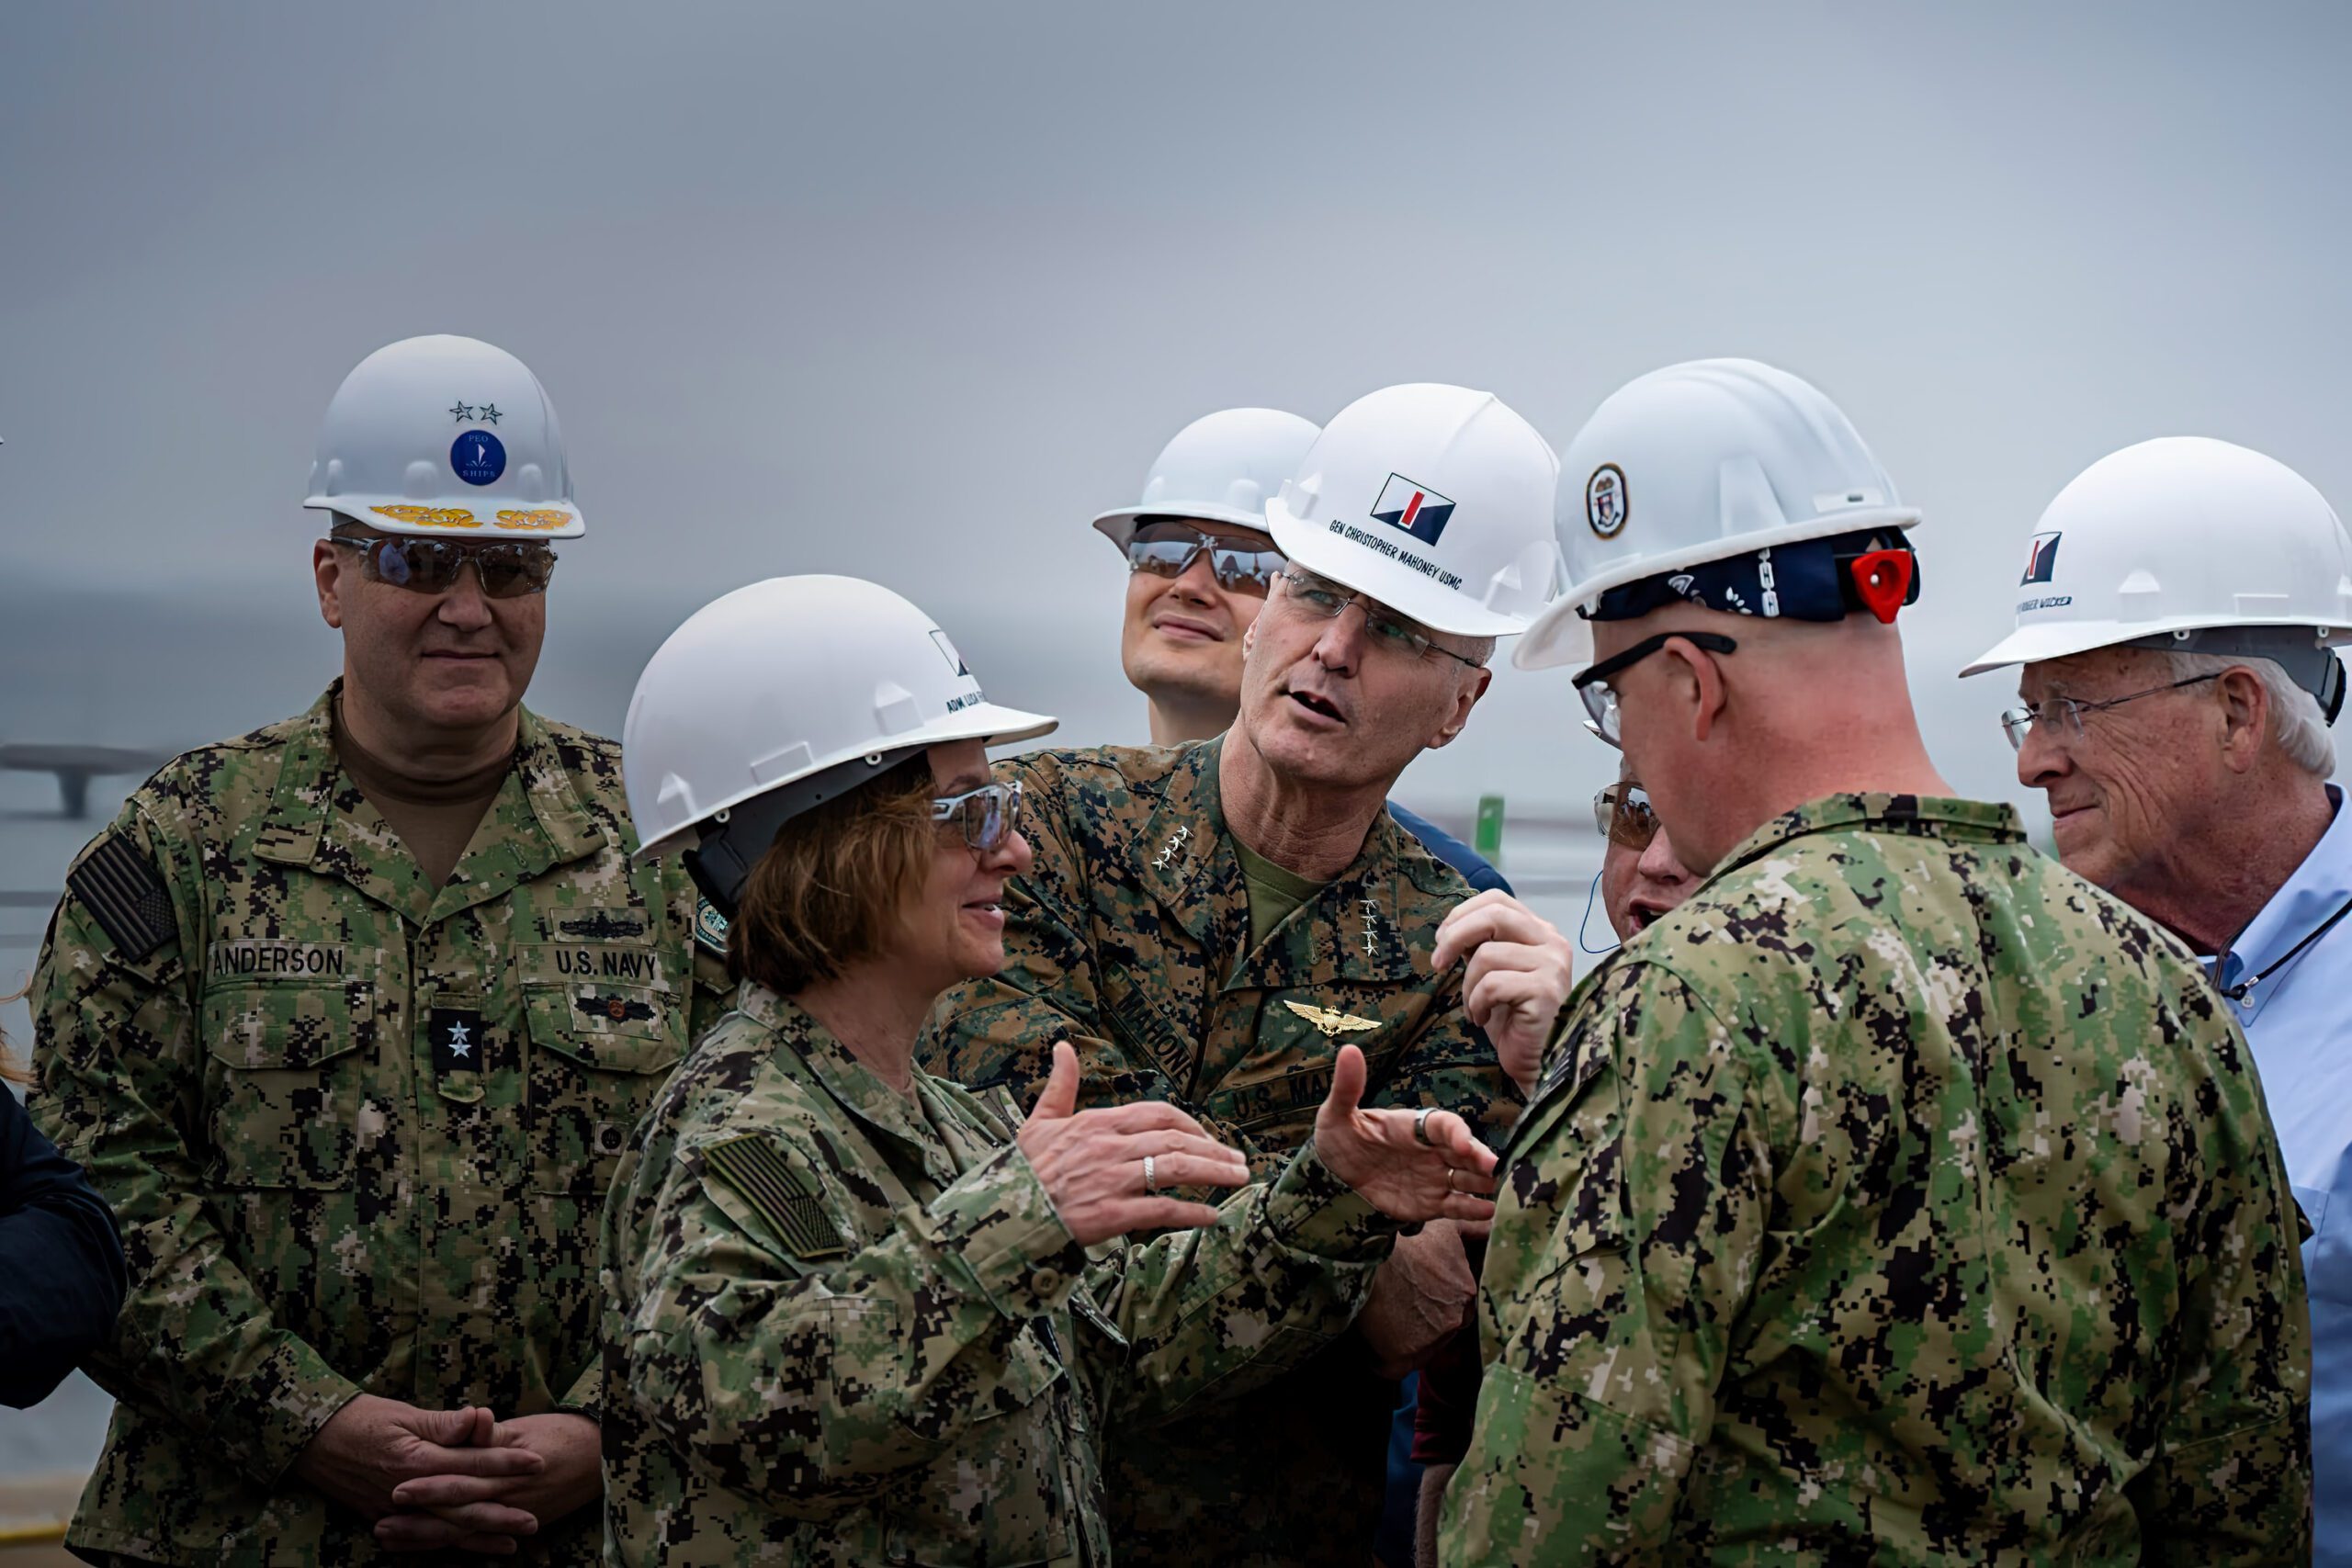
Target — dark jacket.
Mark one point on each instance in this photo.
(60, 1262)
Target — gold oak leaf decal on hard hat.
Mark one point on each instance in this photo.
(1332, 1024)
(779, 1191)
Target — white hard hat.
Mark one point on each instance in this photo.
(443, 435)
(1221, 467)
(819, 683)
(1701, 462)
(2173, 536)
(1434, 500)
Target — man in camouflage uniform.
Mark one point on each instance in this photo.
(1900, 1198)
(358, 1116)
(1207, 923)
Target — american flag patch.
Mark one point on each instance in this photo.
(779, 1191)
(120, 887)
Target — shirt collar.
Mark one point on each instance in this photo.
(2317, 889)
(1921, 815)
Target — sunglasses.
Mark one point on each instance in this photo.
(987, 815)
(1624, 817)
(1169, 549)
(508, 567)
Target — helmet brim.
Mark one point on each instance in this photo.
(373, 512)
(1118, 525)
(2064, 639)
(986, 722)
(1320, 551)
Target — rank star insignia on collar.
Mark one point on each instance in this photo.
(1176, 841)
(1331, 1023)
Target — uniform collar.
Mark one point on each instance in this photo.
(1924, 816)
(2317, 889)
(1348, 931)
(849, 1081)
(543, 821)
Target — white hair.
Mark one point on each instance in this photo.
(2297, 727)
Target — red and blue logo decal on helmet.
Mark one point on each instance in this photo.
(2042, 559)
(1415, 508)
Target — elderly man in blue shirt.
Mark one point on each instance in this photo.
(2174, 627)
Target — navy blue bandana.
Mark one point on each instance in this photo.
(1872, 571)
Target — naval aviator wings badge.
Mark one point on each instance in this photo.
(1331, 1023)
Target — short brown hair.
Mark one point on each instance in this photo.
(824, 893)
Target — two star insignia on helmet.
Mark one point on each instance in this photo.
(1332, 1024)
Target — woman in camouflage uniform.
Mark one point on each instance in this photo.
(854, 1314)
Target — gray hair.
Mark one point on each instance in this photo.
(2297, 725)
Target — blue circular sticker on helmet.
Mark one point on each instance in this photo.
(477, 457)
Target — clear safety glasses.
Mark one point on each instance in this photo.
(1321, 597)
(1600, 697)
(2067, 713)
(987, 815)
(508, 567)
(1623, 813)
(1169, 549)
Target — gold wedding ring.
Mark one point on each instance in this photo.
(1152, 1185)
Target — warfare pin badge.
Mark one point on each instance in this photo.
(1605, 502)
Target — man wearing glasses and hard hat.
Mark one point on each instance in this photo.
(2173, 624)
(1208, 924)
(1200, 564)
(349, 1020)
(1900, 1197)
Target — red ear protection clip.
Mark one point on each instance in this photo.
(1883, 581)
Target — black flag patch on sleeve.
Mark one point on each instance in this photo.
(457, 1040)
(779, 1191)
(120, 888)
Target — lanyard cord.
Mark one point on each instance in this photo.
(2239, 992)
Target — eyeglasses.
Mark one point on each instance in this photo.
(1320, 596)
(987, 815)
(2067, 713)
(1624, 817)
(1600, 697)
(508, 567)
(1169, 549)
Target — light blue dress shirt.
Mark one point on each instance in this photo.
(2299, 1023)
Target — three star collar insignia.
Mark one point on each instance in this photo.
(1331, 1023)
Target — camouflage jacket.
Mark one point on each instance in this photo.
(358, 1130)
(1899, 1199)
(844, 1326)
(1130, 934)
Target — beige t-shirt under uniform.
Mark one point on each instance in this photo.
(434, 818)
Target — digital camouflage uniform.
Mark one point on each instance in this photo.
(1130, 936)
(845, 1327)
(1899, 1199)
(356, 1129)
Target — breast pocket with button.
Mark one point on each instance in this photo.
(600, 1051)
(285, 1078)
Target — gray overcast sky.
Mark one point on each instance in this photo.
(910, 291)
